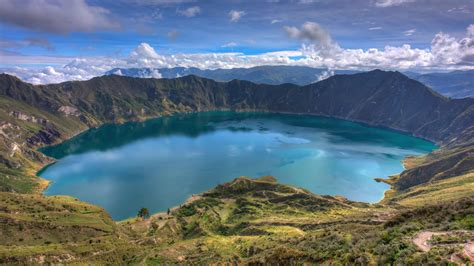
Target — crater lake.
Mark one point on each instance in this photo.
(161, 162)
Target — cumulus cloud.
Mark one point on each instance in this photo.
(318, 50)
(446, 52)
(309, 31)
(274, 21)
(236, 15)
(317, 35)
(190, 12)
(145, 56)
(325, 74)
(55, 15)
(389, 3)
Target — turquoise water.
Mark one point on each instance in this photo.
(161, 162)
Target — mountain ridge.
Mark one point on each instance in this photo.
(455, 84)
(324, 95)
(273, 75)
(379, 98)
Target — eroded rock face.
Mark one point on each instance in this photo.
(46, 136)
(29, 118)
(8, 130)
(14, 148)
(69, 110)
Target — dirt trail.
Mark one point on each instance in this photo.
(469, 250)
(422, 238)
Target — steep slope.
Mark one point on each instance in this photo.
(455, 84)
(438, 165)
(49, 113)
(392, 100)
(380, 98)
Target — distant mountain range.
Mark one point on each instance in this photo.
(273, 75)
(456, 84)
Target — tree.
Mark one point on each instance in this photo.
(143, 213)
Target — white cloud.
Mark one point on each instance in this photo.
(274, 21)
(230, 44)
(318, 50)
(460, 9)
(190, 12)
(157, 2)
(375, 28)
(317, 35)
(309, 31)
(155, 15)
(145, 56)
(409, 32)
(236, 15)
(307, 1)
(448, 50)
(56, 16)
(141, 72)
(389, 3)
(325, 74)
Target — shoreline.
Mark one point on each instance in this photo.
(385, 180)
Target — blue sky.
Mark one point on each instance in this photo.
(40, 33)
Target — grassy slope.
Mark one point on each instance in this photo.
(243, 221)
(438, 165)
(253, 221)
(34, 227)
(22, 178)
(443, 190)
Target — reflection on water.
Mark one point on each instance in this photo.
(159, 163)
